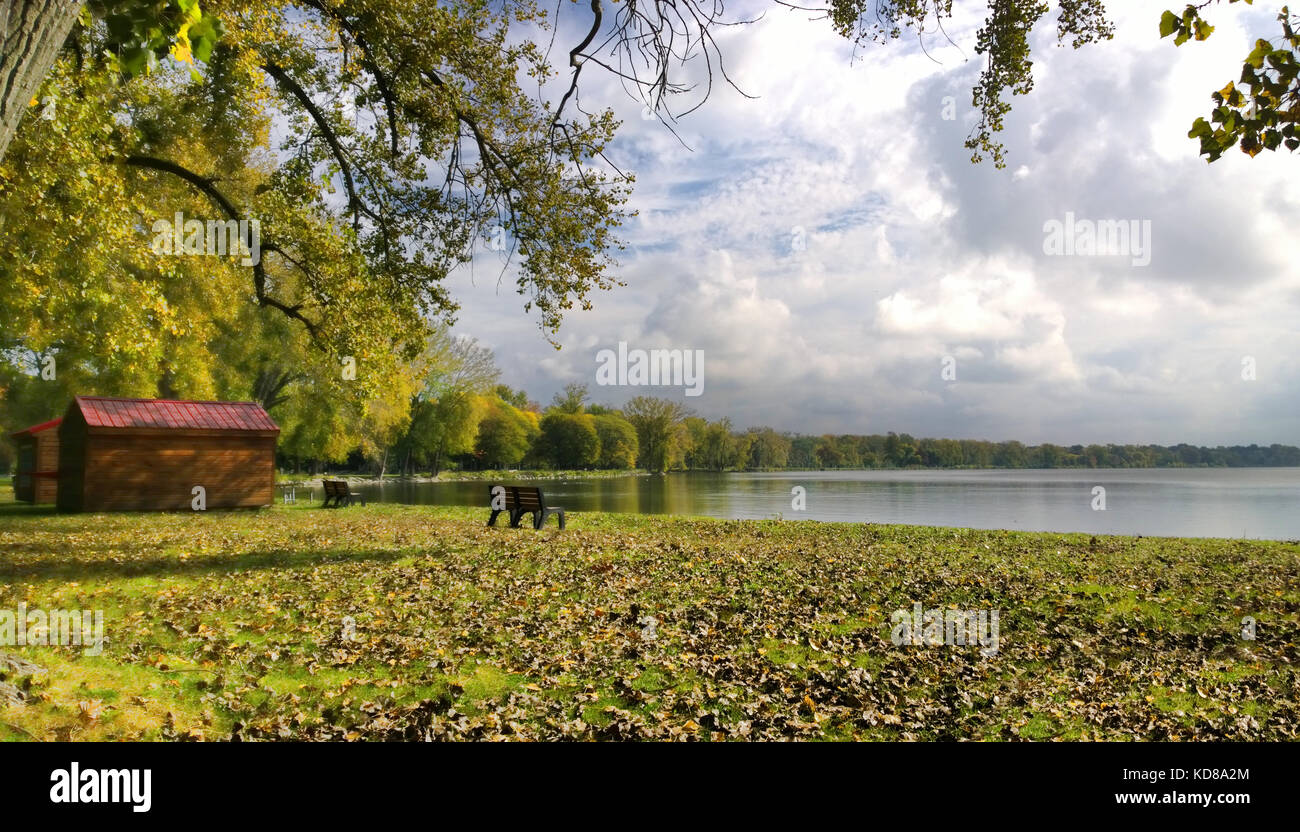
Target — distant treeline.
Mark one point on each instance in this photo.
(903, 451)
(503, 429)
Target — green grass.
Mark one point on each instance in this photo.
(233, 623)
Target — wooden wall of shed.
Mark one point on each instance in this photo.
(72, 444)
(126, 472)
(47, 462)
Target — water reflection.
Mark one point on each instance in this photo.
(1250, 502)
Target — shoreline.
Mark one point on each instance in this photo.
(464, 476)
(535, 474)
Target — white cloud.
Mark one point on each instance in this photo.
(912, 253)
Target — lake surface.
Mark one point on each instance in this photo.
(1191, 502)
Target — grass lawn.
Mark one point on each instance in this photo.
(236, 624)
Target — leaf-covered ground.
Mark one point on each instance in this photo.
(236, 625)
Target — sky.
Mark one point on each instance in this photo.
(844, 268)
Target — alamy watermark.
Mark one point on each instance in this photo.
(217, 238)
(131, 786)
(677, 368)
(1100, 238)
(53, 628)
(798, 498)
(935, 627)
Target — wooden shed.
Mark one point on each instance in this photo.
(36, 479)
(149, 454)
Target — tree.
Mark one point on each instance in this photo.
(802, 452)
(444, 427)
(691, 443)
(34, 31)
(385, 420)
(656, 422)
(25, 397)
(572, 400)
(514, 398)
(767, 449)
(1263, 118)
(457, 363)
(618, 442)
(445, 413)
(1011, 455)
(117, 318)
(368, 102)
(827, 453)
(848, 448)
(139, 32)
(86, 285)
(717, 449)
(1265, 115)
(569, 440)
(505, 434)
(319, 427)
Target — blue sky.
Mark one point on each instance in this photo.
(910, 254)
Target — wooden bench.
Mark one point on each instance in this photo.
(516, 501)
(338, 493)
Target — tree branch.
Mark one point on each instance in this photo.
(336, 147)
(574, 61)
(208, 188)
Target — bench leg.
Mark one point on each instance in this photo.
(492, 520)
(559, 516)
(515, 517)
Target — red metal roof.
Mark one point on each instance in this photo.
(106, 412)
(53, 423)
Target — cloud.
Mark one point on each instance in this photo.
(829, 242)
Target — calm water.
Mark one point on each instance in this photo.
(1193, 502)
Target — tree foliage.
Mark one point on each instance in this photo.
(1262, 116)
(618, 442)
(505, 434)
(658, 425)
(569, 440)
(406, 134)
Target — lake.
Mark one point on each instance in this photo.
(1189, 502)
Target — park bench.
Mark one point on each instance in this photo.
(516, 501)
(338, 493)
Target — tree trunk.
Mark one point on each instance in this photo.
(34, 32)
